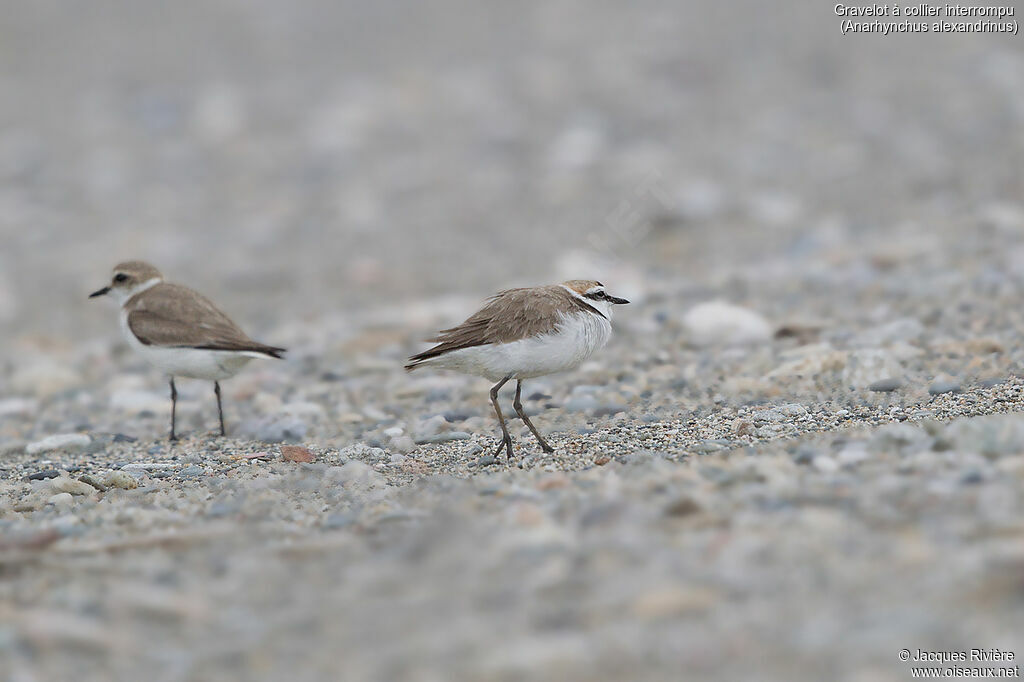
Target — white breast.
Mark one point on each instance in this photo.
(576, 338)
(197, 363)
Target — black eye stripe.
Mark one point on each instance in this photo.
(120, 277)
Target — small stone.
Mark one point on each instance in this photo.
(69, 485)
(445, 437)
(363, 451)
(581, 403)
(121, 479)
(940, 386)
(296, 453)
(20, 407)
(63, 441)
(972, 478)
(429, 428)
(886, 385)
(743, 427)
(335, 521)
(403, 444)
(41, 475)
(706, 447)
(684, 506)
(609, 409)
(601, 460)
(825, 464)
(671, 602)
(193, 471)
(781, 413)
(61, 500)
(804, 455)
(487, 460)
(93, 481)
(717, 323)
(553, 482)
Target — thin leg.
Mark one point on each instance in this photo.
(174, 407)
(518, 404)
(506, 440)
(220, 409)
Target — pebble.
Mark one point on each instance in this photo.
(69, 485)
(581, 403)
(296, 453)
(723, 324)
(44, 474)
(445, 437)
(121, 479)
(61, 500)
(825, 464)
(21, 407)
(940, 386)
(93, 481)
(403, 444)
(64, 441)
(886, 385)
(868, 367)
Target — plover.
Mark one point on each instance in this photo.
(525, 333)
(180, 331)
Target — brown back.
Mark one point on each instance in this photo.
(173, 315)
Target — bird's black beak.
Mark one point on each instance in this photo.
(102, 292)
(619, 301)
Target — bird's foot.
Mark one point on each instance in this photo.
(506, 443)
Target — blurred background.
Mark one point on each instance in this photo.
(297, 159)
(736, 489)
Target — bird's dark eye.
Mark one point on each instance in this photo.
(120, 277)
(600, 294)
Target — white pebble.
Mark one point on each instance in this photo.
(62, 441)
(121, 479)
(718, 323)
(61, 500)
(69, 485)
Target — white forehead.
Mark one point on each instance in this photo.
(594, 289)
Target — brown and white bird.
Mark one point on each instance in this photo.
(180, 331)
(525, 333)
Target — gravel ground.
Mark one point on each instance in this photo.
(801, 452)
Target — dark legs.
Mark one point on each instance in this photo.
(518, 404)
(220, 410)
(174, 407)
(506, 440)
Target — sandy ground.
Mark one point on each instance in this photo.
(800, 453)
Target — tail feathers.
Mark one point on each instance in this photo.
(414, 362)
(423, 358)
(274, 351)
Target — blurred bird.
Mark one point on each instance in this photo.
(179, 331)
(525, 333)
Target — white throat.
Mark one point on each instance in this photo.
(123, 295)
(604, 307)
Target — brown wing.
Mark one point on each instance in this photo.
(173, 315)
(508, 316)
